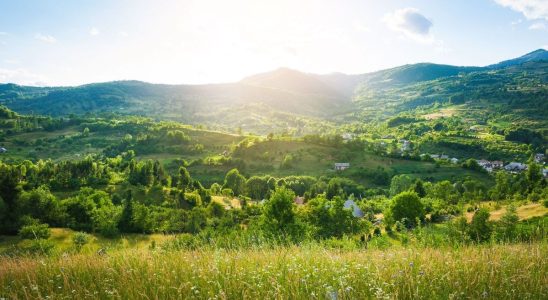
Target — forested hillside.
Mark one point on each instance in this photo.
(289, 101)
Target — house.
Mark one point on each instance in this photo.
(545, 173)
(497, 164)
(539, 158)
(299, 200)
(515, 167)
(489, 166)
(406, 145)
(341, 166)
(347, 136)
(454, 160)
(3, 150)
(443, 156)
(356, 210)
(434, 156)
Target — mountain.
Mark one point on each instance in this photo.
(293, 81)
(290, 100)
(409, 74)
(537, 55)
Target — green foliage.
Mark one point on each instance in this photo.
(35, 231)
(505, 229)
(400, 183)
(235, 182)
(407, 208)
(480, 228)
(79, 239)
(278, 214)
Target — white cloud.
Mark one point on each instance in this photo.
(411, 23)
(21, 76)
(537, 26)
(45, 38)
(531, 9)
(123, 34)
(94, 31)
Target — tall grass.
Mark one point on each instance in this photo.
(291, 272)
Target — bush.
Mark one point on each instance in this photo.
(35, 231)
(480, 228)
(408, 206)
(80, 239)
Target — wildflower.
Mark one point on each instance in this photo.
(411, 264)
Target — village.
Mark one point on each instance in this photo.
(490, 166)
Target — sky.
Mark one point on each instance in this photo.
(72, 42)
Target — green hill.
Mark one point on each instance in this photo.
(299, 103)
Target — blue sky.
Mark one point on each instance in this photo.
(75, 42)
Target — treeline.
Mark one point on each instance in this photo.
(121, 195)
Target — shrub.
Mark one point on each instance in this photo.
(80, 239)
(35, 231)
(480, 228)
(407, 205)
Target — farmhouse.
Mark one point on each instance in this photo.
(347, 136)
(3, 150)
(341, 166)
(489, 166)
(299, 200)
(515, 167)
(406, 145)
(356, 210)
(539, 158)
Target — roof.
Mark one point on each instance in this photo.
(342, 164)
(356, 210)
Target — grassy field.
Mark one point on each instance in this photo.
(477, 272)
(524, 212)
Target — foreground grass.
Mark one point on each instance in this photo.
(493, 272)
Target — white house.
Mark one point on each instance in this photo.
(406, 145)
(454, 160)
(545, 173)
(356, 210)
(3, 150)
(539, 158)
(347, 136)
(515, 166)
(342, 166)
(490, 165)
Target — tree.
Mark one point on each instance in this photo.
(506, 226)
(85, 132)
(419, 188)
(533, 175)
(480, 228)
(184, 178)
(278, 213)
(126, 223)
(257, 187)
(407, 206)
(105, 220)
(235, 182)
(400, 183)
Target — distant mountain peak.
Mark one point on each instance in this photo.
(537, 55)
(292, 80)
